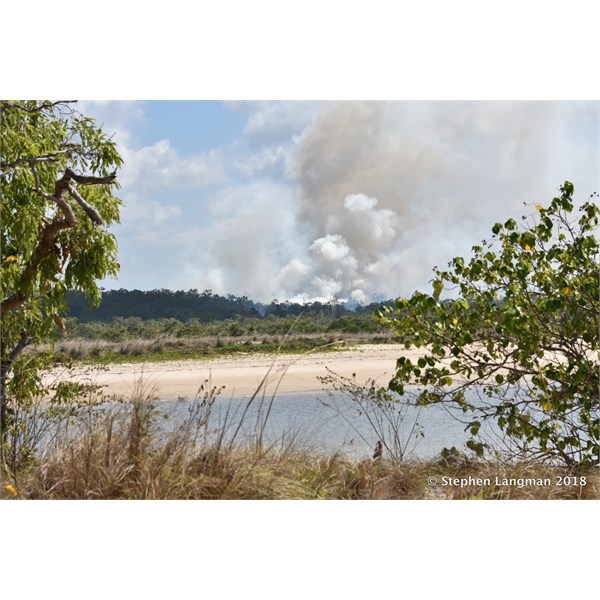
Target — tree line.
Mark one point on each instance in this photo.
(204, 307)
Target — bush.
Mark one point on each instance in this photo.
(519, 345)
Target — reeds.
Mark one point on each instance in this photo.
(132, 450)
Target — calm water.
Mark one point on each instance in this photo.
(333, 422)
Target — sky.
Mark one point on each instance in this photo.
(310, 200)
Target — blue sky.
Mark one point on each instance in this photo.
(190, 126)
(350, 199)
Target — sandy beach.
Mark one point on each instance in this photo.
(242, 375)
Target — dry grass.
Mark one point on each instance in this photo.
(175, 348)
(124, 454)
(82, 349)
(130, 450)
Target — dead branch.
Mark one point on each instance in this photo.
(89, 211)
(87, 179)
(62, 204)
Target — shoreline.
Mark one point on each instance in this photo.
(241, 376)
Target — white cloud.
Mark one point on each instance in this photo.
(114, 117)
(154, 166)
(165, 214)
(277, 122)
(145, 220)
(159, 166)
(270, 161)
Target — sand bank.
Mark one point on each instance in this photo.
(242, 375)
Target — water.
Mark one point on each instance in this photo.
(333, 422)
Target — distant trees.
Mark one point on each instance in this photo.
(162, 304)
(519, 342)
(205, 307)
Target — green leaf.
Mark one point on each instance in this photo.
(531, 301)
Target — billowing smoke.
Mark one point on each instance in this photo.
(342, 199)
(388, 190)
(355, 239)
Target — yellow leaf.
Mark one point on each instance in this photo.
(567, 291)
(11, 488)
(59, 322)
(11, 258)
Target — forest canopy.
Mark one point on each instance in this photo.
(204, 306)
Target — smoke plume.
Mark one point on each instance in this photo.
(388, 190)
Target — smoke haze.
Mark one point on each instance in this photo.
(347, 199)
(388, 190)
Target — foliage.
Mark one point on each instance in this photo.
(206, 307)
(519, 343)
(120, 328)
(57, 173)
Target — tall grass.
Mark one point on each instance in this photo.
(175, 348)
(134, 450)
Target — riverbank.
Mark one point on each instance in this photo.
(242, 375)
(133, 451)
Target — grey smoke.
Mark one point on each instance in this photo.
(388, 190)
(366, 197)
(340, 199)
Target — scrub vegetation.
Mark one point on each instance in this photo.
(518, 323)
(159, 325)
(134, 339)
(159, 349)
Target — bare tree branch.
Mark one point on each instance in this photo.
(87, 179)
(91, 212)
(64, 183)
